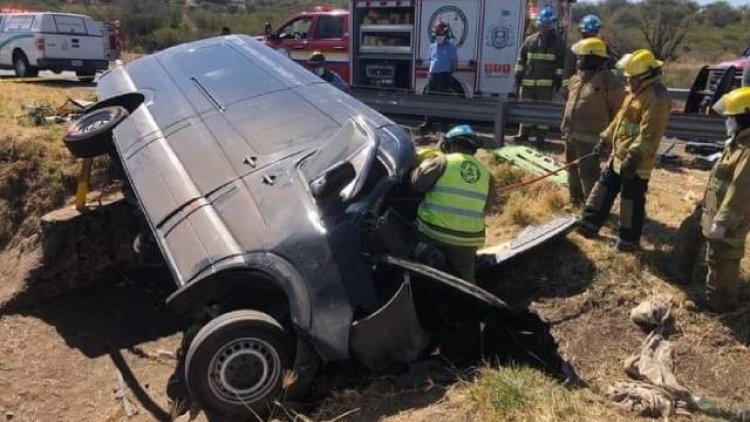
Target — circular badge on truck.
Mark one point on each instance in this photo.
(455, 18)
(469, 172)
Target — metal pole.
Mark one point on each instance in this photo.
(500, 120)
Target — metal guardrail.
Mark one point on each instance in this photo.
(688, 127)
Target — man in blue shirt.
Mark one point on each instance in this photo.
(443, 61)
(317, 64)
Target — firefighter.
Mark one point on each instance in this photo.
(225, 30)
(539, 70)
(590, 26)
(595, 96)
(726, 204)
(458, 190)
(443, 57)
(317, 64)
(635, 134)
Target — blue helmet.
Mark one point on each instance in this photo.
(546, 16)
(590, 25)
(461, 134)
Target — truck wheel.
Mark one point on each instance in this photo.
(86, 75)
(22, 67)
(236, 363)
(91, 135)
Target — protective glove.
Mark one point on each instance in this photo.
(600, 149)
(628, 167)
(717, 232)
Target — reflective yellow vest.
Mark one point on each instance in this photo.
(452, 212)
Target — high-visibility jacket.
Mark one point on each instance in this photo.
(727, 198)
(540, 61)
(452, 212)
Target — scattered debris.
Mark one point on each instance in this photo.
(533, 161)
(43, 113)
(651, 315)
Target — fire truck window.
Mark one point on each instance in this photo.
(297, 29)
(329, 27)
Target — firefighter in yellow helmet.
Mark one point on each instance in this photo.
(634, 134)
(458, 189)
(726, 204)
(595, 97)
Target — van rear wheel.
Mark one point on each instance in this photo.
(91, 135)
(22, 67)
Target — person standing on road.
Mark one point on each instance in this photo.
(595, 96)
(726, 204)
(443, 57)
(539, 70)
(458, 190)
(317, 64)
(635, 134)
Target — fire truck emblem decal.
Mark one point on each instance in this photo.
(458, 24)
(499, 35)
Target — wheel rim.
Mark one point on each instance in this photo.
(244, 370)
(91, 123)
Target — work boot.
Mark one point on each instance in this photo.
(627, 247)
(587, 229)
(722, 284)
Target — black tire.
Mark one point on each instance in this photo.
(91, 135)
(86, 75)
(236, 363)
(22, 67)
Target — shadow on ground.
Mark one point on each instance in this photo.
(49, 82)
(114, 314)
(557, 270)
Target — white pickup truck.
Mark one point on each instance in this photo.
(30, 42)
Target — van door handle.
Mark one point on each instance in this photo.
(339, 47)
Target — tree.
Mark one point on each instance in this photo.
(664, 24)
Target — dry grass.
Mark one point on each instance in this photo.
(37, 174)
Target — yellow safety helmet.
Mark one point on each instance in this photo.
(735, 102)
(638, 62)
(588, 46)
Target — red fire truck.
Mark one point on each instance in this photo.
(384, 43)
(324, 29)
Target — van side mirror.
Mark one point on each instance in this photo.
(326, 188)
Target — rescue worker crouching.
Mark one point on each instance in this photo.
(726, 204)
(635, 134)
(595, 96)
(317, 64)
(458, 190)
(539, 70)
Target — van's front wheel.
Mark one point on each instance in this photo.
(22, 67)
(236, 363)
